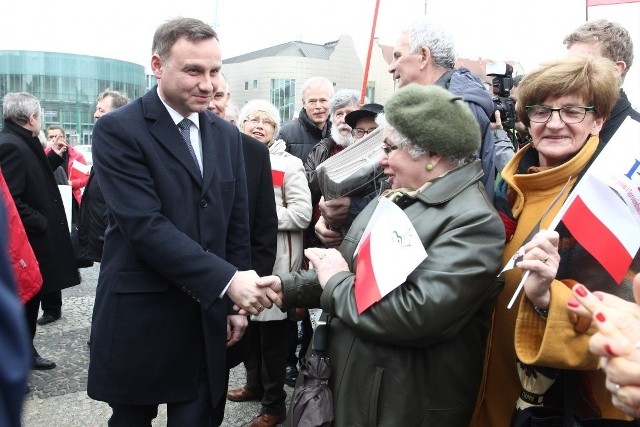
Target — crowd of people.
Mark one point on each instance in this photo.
(215, 240)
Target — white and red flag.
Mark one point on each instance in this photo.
(603, 210)
(388, 251)
(278, 166)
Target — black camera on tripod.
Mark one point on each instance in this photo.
(502, 83)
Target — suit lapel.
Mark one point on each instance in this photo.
(210, 135)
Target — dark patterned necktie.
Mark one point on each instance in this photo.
(185, 129)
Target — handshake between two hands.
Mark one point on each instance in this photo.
(251, 293)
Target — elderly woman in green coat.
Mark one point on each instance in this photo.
(415, 357)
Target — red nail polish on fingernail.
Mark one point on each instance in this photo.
(600, 317)
(580, 290)
(573, 303)
(607, 348)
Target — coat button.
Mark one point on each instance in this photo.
(203, 203)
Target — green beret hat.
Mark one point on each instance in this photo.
(434, 119)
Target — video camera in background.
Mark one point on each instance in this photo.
(502, 83)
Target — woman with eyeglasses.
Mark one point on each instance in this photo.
(564, 104)
(266, 355)
(413, 358)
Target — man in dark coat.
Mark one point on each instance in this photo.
(29, 175)
(176, 242)
(301, 135)
(263, 219)
(93, 210)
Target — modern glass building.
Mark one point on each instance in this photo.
(68, 85)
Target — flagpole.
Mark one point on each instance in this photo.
(365, 79)
(586, 10)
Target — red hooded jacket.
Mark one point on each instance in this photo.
(23, 261)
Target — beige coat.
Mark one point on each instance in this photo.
(293, 205)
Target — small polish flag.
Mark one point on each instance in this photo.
(278, 167)
(603, 211)
(388, 251)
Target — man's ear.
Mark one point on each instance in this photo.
(621, 66)
(156, 65)
(425, 56)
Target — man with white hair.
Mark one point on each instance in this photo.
(424, 53)
(28, 173)
(313, 124)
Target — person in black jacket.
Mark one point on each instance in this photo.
(29, 175)
(263, 220)
(93, 210)
(313, 124)
(301, 135)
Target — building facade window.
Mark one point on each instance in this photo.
(68, 85)
(246, 85)
(283, 96)
(255, 84)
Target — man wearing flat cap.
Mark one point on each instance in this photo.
(340, 212)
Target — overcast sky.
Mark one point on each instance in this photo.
(526, 31)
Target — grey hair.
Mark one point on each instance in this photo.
(415, 151)
(317, 82)
(343, 98)
(118, 99)
(398, 139)
(171, 31)
(19, 106)
(437, 39)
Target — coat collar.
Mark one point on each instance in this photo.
(453, 183)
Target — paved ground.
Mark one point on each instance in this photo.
(58, 397)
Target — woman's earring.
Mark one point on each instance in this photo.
(429, 167)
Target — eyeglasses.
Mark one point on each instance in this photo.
(569, 115)
(359, 132)
(256, 121)
(389, 148)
